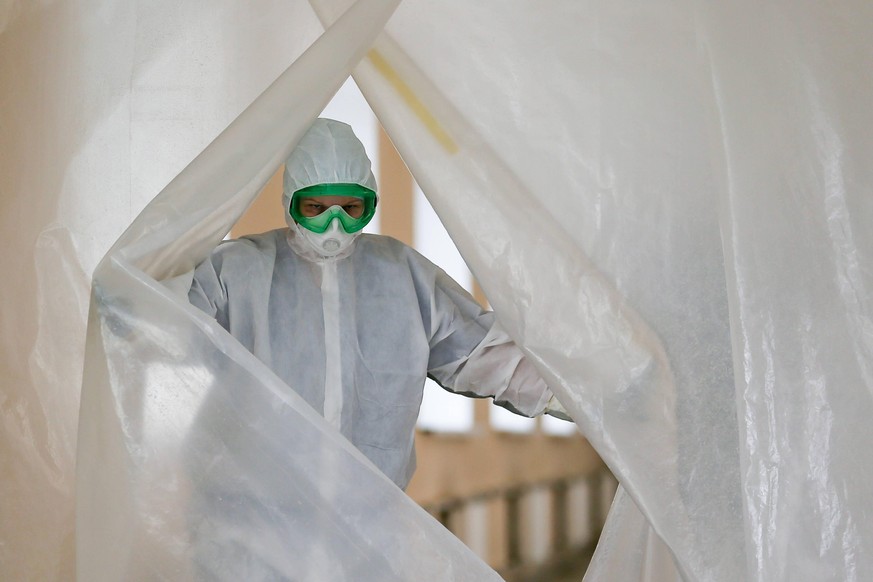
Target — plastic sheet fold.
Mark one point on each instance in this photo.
(561, 222)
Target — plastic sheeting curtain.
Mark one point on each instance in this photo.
(668, 205)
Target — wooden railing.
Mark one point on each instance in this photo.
(543, 530)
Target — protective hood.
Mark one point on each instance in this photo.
(329, 153)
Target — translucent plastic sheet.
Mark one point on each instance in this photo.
(590, 229)
(668, 205)
(102, 104)
(650, 196)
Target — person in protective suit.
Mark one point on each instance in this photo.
(355, 322)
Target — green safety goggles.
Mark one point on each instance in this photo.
(321, 222)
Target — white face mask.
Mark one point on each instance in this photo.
(331, 242)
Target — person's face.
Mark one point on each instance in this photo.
(315, 205)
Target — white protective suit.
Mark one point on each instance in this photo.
(355, 335)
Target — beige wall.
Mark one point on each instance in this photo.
(265, 213)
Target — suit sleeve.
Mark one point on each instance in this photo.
(470, 354)
(208, 292)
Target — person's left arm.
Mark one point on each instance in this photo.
(471, 354)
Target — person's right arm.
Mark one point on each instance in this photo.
(208, 292)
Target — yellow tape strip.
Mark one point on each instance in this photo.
(413, 102)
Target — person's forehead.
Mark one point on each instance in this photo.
(332, 200)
